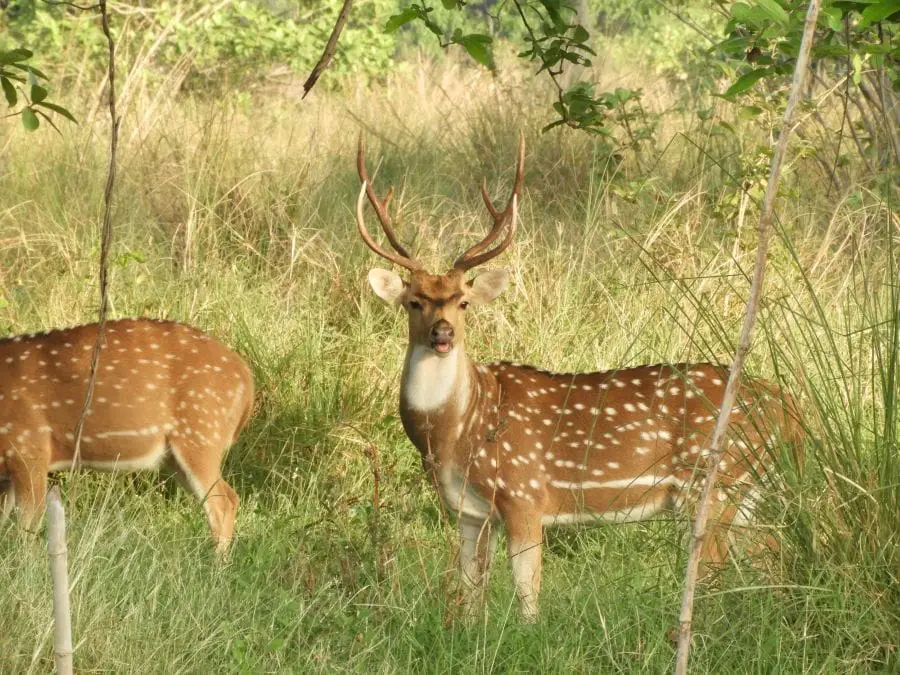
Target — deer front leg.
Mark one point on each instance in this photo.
(477, 541)
(525, 539)
(7, 498)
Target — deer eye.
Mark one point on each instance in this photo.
(415, 304)
(463, 305)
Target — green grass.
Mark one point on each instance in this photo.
(239, 220)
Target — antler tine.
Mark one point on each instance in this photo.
(381, 207)
(474, 256)
(486, 198)
(404, 261)
(495, 230)
(480, 259)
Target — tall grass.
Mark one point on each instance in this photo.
(237, 217)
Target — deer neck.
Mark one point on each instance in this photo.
(437, 396)
(434, 385)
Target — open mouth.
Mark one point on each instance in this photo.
(442, 347)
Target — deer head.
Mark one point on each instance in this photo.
(436, 303)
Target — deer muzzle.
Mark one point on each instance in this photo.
(442, 337)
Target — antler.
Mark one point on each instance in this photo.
(404, 259)
(474, 256)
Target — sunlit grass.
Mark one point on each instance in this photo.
(238, 219)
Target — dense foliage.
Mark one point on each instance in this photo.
(743, 50)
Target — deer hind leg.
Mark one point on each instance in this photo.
(199, 466)
(477, 542)
(7, 498)
(758, 543)
(525, 541)
(715, 551)
(27, 468)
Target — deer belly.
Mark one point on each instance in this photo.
(593, 501)
(460, 496)
(125, 450)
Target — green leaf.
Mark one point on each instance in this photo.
(745, 81)
(832, 50)
(875, 13)
(722, 124)
(831, 17)
(774, 11)
(404, 17)
(38, 93)
(868, 48)
(10, 57)
(552, 9)
(857, 69)
(449, 4)
(750, 111)
(479, 48)
(741, 12)
(9, 91)
(29, 120)
(58, 109)
(31, 70)
(41, 113)
(580, 35)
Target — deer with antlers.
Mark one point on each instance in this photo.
(165, 393)
(512, 444)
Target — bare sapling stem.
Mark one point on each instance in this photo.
(105, 232)
(716, 446)
(59, 575)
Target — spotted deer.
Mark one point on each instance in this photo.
(165, 393)
(512, 444)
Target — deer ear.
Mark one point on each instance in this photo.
(487, 286)
(387, 285)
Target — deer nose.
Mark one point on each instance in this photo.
(442, 332)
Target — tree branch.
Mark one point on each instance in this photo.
(734, 375)
(560, 90)
(330, 48)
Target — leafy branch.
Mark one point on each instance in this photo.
(555, 40)
(477, 45)
(21, 84)
(854, 39)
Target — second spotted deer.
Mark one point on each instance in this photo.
(165, 393)
(527, 448)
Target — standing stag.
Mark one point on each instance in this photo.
(529, 448)
(165, 392)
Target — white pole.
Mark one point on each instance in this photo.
(59, 574)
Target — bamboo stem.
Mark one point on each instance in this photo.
(59, 575)
(734, 375)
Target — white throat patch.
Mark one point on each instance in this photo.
(430, 380)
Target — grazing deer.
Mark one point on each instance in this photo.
(165, 392)
(530, 448)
